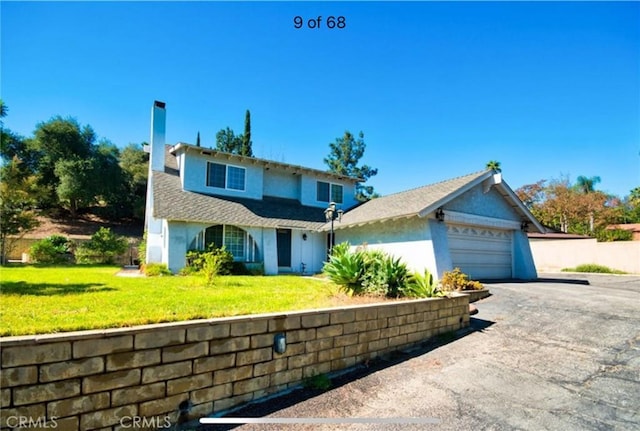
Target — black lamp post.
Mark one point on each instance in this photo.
(331, 214)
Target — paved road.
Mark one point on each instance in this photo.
(554, 354)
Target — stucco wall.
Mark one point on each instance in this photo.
(105, 379)
(195, 177)
(408, 239)
(309, 195)
(281, 184)
(524, 266)
(554, 255)
(490, 204)
(311, 252)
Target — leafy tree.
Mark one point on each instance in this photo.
(60, 139)
(634, 196)
(246, 137)
(564, 206)
(77, 178)
(17, 206)
(630, 212)
(13, 145)
(494, 165)
(344, 156)
(135, 166)
(228, 142)
(111, 189)
(586, 185)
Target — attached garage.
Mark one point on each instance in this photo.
(475, 222)
(482, 253)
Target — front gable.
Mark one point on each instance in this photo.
(490, 204)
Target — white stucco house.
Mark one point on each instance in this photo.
(271, 214)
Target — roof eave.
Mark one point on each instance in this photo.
(263, 162)
(426, 211)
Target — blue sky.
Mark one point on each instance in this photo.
(439, 88)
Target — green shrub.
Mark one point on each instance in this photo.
(594, 268)
(156, 269)
(142, 249)
(458, 280)
(319, 382)
(212, 262)
(346, 269)
(103, 247)
(211, 267)
(422, 286)
(614, 235)
(370, 272)
(55, 249)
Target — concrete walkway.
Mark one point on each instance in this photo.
(558, 354)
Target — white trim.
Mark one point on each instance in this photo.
(490, 182)
(476, 220)
(330, 192)
(226, 176)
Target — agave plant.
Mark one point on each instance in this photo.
(346, 268)
(422, 286)
(396, 274)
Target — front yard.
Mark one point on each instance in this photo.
(38, 300)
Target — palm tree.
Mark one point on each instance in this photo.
(3, 110)
(494, 165)
(587, 184)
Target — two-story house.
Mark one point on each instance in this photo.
(264, 212)
(272, 215)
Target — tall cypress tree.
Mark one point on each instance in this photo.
(198, 139)
(246, 137)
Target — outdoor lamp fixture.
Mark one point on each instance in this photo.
(524, 226)
(304, 236)
(331, 214)
(440, 214)
(280, 343)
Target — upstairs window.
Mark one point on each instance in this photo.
(328, 192)
(225, 176)
(235, 178)
(216, 175)
(336, 193)
(323, 191)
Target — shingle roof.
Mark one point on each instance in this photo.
(411, 202)
(172, 203)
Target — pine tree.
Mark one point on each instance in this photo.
(343, 159)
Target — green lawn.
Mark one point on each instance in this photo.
(36, 300)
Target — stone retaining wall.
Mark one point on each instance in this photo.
(140, 378)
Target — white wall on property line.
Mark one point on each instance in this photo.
(554, 255)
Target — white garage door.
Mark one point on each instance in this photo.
(482, 253)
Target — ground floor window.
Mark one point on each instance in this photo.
(236, 240)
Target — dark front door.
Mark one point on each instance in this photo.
(284, 247)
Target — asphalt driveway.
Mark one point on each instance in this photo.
(557, 354)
